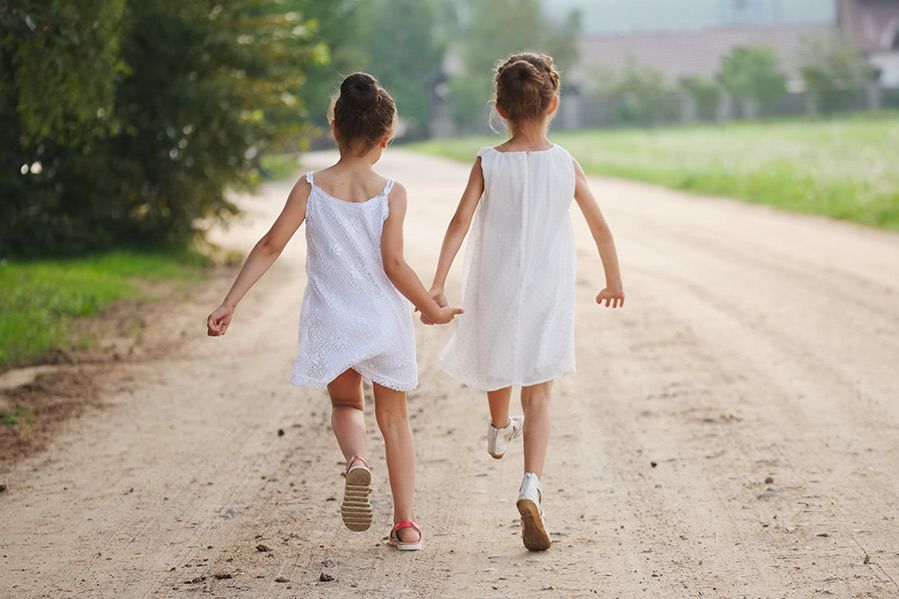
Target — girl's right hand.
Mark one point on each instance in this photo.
(436, 294)
(217, 322)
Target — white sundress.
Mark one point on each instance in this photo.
(352, 316)
(518, 295)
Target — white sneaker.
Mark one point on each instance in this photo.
(498, 439)
(533, 522)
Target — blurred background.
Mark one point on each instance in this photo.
(124, 125)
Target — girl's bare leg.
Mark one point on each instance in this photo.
(499, 406)
(393, 420)
(535, 404)
(347, 402)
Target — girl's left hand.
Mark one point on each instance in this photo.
(613, 298)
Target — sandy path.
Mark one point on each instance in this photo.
(754, 344)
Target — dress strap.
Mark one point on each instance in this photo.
(309, 178)
(385, 205)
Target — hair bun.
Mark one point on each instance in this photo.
(360, 91)
(525, 85)
(522, 69)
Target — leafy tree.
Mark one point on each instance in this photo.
(171, 105)
(752, 75)
(640, 94)
(401, 42)
(492, 29)
(833, 71)
(54, 109)
(703, 93)
(405, 58)
(340, 52)
(43, 47)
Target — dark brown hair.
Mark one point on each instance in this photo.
(362, 112)
(525, 84)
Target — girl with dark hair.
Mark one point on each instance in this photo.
(355, 322)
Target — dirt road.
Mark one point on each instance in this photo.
(755, 346)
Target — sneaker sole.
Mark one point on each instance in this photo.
(356, 509)
(533, 532)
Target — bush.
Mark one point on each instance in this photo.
(833, 72)
(640, 95)
(752, 75)
(124, 121)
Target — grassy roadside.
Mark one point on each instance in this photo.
(274, 167)
(843, 168)
(41, 298)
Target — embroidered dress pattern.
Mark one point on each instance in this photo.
(351, 316)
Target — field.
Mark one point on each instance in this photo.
(41, 298)
(843, 168)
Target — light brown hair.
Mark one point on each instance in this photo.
(525, 84)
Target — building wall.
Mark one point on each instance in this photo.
(687, 53)
(873, 25)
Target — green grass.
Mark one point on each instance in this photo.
(40, 298)
(11, 418)
(275, 167)
(843, 168)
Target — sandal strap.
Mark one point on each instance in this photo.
(405, 524)
(352, 461)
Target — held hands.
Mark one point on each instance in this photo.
(613, 297)
(443, 314)
(217, 322)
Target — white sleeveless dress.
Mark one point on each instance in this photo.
(352, 316)
(518, 295)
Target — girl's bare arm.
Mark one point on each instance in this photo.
(613, 293)
(262, 256)
(458, 229)
(398, 271)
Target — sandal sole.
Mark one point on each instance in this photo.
(533, 533)
(356, 508)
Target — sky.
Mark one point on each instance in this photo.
(613, 16)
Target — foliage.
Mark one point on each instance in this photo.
(842, 168)
(43, 45)
(338, 52)
(136, 142)
(492, 29)
(639, 94)
(752, 74)
(275, 167)
(405, 58)
(401, 42)
(832, 70)
(41, 297)
(703, 93)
